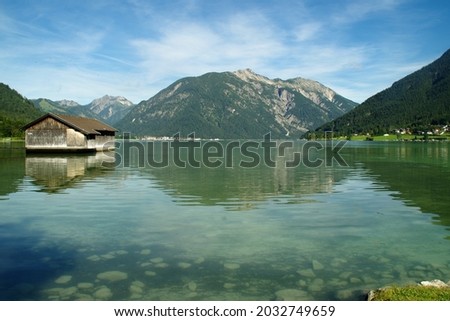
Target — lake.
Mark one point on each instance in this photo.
(113, 227)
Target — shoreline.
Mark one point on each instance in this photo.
(434, 290)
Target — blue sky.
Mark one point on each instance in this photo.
(82, 50)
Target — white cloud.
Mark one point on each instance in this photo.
(308, 31)
(75, 83)
(144, 46)
(358, 9)
(190, 48)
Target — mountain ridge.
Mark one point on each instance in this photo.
(239, 104)
(109, 109)
(416, 101)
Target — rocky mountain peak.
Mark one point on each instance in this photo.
(68, 103)
(239, 104)
(110, 100)
(250, 75)
(309, 88)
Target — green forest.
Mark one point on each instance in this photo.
(15, 112)
(419, 102)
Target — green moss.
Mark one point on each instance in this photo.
(412, 293)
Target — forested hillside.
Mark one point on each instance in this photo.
(240, 104)
(418, 101)
(15, 112)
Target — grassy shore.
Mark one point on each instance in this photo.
(411, 293)
(405, 137)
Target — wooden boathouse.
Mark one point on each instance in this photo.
(64, 133)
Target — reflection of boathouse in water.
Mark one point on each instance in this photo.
(63, 133)
(56, 173)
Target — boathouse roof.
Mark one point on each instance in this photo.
(87, 126)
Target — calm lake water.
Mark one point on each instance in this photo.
(88, 228)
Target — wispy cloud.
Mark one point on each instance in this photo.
(356, 10)
(136, 48)
(308, 31)
(189, 47)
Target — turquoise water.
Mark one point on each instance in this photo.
(87, 228)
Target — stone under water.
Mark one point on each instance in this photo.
(161, 265)
(63, 279)
(157, 260)
(108, 256)
(94, 258)
(85, 285)
(199, 260)
(184, 265)
(308, 273)
(112, 276)
(231, 266)
(291, 295)
(192, 286)
(316, 265)
(104, 293)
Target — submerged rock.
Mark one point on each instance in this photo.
(344, 295)
(316, 265)
(192, 286)
(112, 276)
(316, 285)
(308, 273)
(157, 260)
(231, 266)
(339, 283)
(108, 256)
(291, 295)
(63, 279)
(83, 297)
(199, 260)
(337, 262)
(85, 285)
(162, 265)
(94, 258)
(68, 292)
(138, 283)
(104, 293)
(146, 252)
(301, 283)
(134, 289)
(150, 273)
(184, 265)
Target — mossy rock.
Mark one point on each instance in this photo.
(410, 293)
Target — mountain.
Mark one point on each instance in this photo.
(15, 112)
(65, 107)
(417, 101)
(239, 104)
(109, 109)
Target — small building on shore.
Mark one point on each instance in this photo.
(64, 133)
